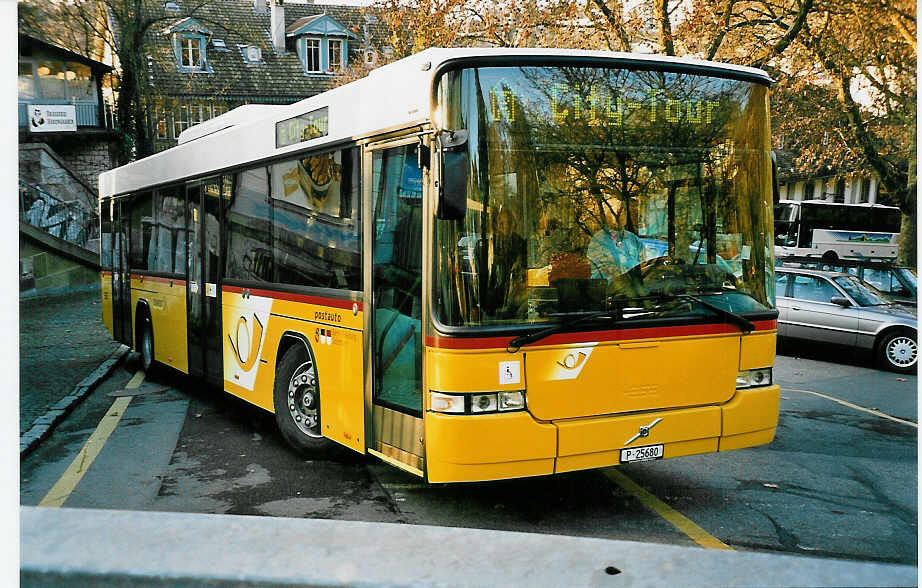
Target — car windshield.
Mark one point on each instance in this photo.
(862, 292)
(909, 275)
(592, 187)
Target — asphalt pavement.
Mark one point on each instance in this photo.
(62, 345)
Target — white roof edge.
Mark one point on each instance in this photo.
(439, 55)
(231, 118)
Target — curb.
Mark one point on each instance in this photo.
(46, 423)
(91, 548)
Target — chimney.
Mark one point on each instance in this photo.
(259, 6)
(277, 25)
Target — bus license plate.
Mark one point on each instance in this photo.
(642, 453)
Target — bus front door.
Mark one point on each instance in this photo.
(203, 296)
(393, 177)
(121, 280)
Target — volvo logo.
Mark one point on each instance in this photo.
(643, 432)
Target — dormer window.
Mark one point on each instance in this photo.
(190, 40)
(322, 43)
(312, 55)
(252, 54)
(336, 58)
(190, 52)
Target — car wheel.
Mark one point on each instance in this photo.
(296, 398)
(898, 352)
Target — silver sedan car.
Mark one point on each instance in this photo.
(840, 309)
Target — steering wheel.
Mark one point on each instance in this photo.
(663, 261)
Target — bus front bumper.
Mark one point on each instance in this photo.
(500, 446)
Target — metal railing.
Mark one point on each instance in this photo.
(67, 220)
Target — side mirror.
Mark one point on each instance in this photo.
(452, 203)
(841, 301)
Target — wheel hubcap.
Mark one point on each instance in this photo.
(304, 400)
(902, 351)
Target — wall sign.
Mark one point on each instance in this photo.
(52, 118)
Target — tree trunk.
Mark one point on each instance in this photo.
(907, 239)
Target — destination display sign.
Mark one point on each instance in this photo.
(607, 105)
(303, 127)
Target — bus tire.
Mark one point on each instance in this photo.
(830, 257)
(296, 398)
(898, 351)
(146, 341)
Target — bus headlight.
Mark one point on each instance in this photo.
(480, 403)
(754, 378)
(450, 403)
(483, 403)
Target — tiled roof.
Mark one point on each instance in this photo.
(301, 22)
(279, 76)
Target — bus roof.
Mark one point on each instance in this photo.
(391, 97)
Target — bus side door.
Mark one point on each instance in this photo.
(121, 281)
(203, 294)
(394, 179)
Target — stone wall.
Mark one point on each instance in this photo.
(89, 157)
(40, 166)
(42, 272)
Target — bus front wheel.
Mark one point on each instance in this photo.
(296, 398)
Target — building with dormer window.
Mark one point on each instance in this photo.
(189, 39)
(236, 52)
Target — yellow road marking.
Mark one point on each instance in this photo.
(872, 411)
(63, 488)
(674, 517)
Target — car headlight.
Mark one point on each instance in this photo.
(754, 378)
(479, 403)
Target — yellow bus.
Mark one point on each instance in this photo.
(473, 264)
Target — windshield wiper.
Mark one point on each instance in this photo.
(517, 343)
(739, 320)
(745, 325)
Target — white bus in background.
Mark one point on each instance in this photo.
(835, 230)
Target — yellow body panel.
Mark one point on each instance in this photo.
(487, 447)
(685, 384)
(453, 370)
(757, 350)
(750, 411)
(105, 286)
(166, 299)
(581, 436)
(254, 327)
(585, 380)
(609, 458)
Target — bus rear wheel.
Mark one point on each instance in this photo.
(296, 398)
(146, 343)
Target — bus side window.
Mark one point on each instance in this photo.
(140, 231)
(169, 207)
(248, 224)
(316, 235)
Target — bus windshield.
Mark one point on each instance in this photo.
(595, 188)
